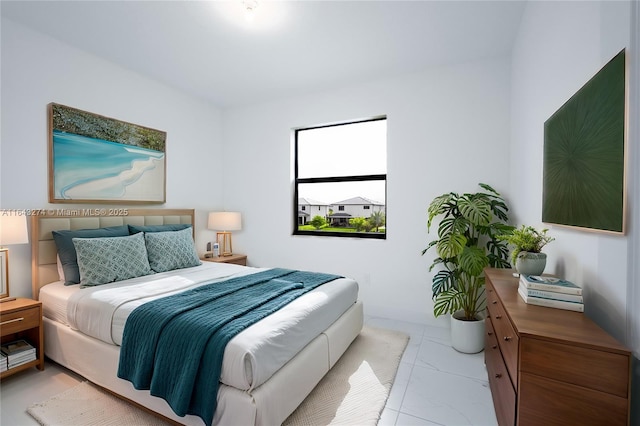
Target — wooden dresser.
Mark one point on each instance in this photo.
(550, 366)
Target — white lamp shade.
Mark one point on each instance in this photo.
(13, 230)
(225, 221)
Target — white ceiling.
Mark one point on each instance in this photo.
(208, 49)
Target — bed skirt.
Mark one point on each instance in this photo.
(269, 404)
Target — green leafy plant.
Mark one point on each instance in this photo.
(467, 242)
(377, 219)
(359, 223)
(526, 239)
(318, 222)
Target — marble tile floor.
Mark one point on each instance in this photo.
(435, 385)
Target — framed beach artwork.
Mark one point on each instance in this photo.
(584, 155)
(97, 159)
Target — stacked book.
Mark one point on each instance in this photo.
(3, 363)
(551, 292)
(18, 353)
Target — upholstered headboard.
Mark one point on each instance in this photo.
(44, 268)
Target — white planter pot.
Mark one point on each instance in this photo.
(467, 336)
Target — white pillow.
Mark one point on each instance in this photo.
(60, 269)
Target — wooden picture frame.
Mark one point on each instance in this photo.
(4, 273)
(584, 177)
(97, 159)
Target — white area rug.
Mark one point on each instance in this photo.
(85, 405)
(354, 392)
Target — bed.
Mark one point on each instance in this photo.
(267, 369)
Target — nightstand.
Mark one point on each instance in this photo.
(22, 319)
(236, 259)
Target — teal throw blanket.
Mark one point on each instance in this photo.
(174, 346)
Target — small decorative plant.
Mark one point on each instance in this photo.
(526, 239)
(467, 242)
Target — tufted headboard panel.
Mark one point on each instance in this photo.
(44, 269)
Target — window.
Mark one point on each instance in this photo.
(304, 208)
(344, 168)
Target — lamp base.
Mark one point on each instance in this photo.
(224, 240)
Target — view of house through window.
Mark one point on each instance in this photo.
(340, 179)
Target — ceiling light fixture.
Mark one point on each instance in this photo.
(250, 7)
(254, 15)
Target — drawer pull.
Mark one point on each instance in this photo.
(498, 316)
(494, 302)
(490, 333)
(498, 375)
(507, 338)
(11, 320)
(494, 347)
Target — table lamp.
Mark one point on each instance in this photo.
(13, 230)
(223, 222)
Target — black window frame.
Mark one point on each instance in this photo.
(353, 178)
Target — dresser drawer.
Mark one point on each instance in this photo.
(590, 368)
(490, 342)
(13, 322)
(502, 390)
(543, 401)
(506, 336)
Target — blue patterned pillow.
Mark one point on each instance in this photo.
(171, 250)
(67, 251)
(105, 260)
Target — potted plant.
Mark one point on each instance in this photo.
(467, 242)
(527, 242)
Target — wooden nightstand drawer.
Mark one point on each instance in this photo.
(236, 259)
(20, 320)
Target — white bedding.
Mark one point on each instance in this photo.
(250, 358)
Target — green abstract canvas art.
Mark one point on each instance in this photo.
(584, 155)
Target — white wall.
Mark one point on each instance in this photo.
(561, 45)
(447, 130)
(37, 70)
(633, 291)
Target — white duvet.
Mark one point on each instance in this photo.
(250, 358)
